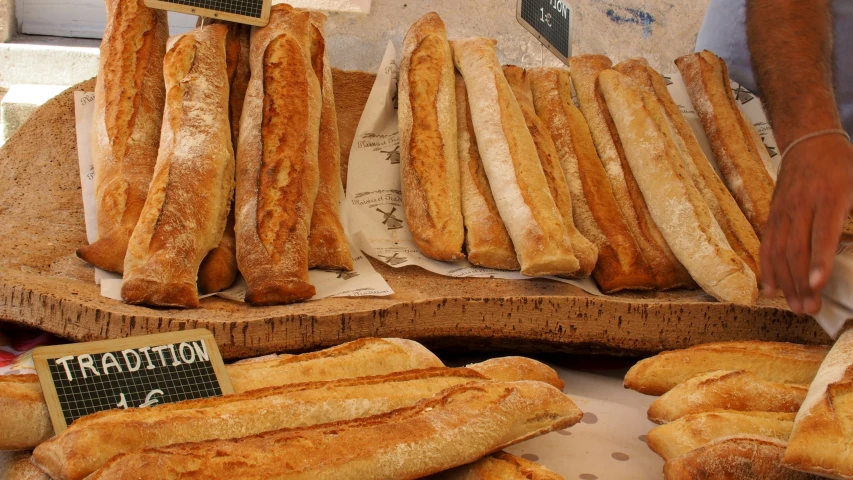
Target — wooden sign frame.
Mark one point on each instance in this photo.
(209, 13)
(41, 355)
(539, 36)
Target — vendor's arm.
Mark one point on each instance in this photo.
(791, 46)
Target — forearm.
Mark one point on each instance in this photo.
(790, 42)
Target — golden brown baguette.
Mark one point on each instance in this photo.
(17, 466)
(823, 430)
(518, 368)
(277, 171)
(129, 97)
(327, 244)
(692, 431)
(498, 466)
(429, 162)
(584, 250)
(487, 242)
(620, 264)
(735, 226)
(741, 457)
(676, 206)
(731, 136)
(510, 160)
(24, 421)
(665, 268)
(770, 361)
(186, 210)
(726, 390)
(458, 426)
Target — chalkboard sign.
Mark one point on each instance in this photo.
(252, 12)
(136, 372)
(549, 21)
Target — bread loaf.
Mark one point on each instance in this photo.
(518, 368)
(725, 390)
(458, 426)
(675, 204)
(498, 466)
(24, 421)
(277, 171)
(770, 361)
(510, 160)
(620, 264)
(187, 206)
(429, 163)
(584, 250)
(17, 466)
(486, 239)
(735, 226)
(129, 96)
(737, 148)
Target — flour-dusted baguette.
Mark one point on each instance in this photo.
(487, 242)
(726, 390)
(327, 244)
(498, 466)
(676, 206)
(186, 210)
(771, 361)
(584, 250)
(458, 426)
(666, 269)
(735, 226)
(24, 421)
(732, 139)
(277, 170)
(518, 368)
(129, 96)
(620, 264)
(692, 431)
(512, 165)
(17, 466)
(429, 162)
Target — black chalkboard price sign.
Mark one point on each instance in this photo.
(252, 12)
(135, 372)
(549, 21)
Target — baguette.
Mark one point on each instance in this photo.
(510, 160)
(725, 390)
(736, 146)
(24, 420)
(327, 244)
(665, 268)
(584, 250)
(17, 466)
(692, 431)
(620, 264)
(509, 369)
(735, 226)
(675, 204)
(186, 211)
(129, 97)
(429, 163)
(486, 239)
(277, 170)
(498, 466)
(458, 426)
(741, 457)
(770, 361)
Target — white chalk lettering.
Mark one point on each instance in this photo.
(187, 358)
(86, 361)
(132, 368)
(174, 355)
(109, 360)
(64, 362)
(159, 351)
(201, 351)
(148, 357)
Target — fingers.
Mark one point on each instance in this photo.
(798, 250)
(768, 272)
(828, 223)
(779, 259)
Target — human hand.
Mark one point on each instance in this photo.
(813, 197)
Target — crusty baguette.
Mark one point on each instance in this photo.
(518, 368)
(676, 206)
(735, 226)
(770, 361)
(823, 430)
(327, 244)
(740, 457)
(487, 242)
(665, 268)
(510, 160)
(429, 162)
(620, 264)
(498, 466)
(732, 140)
(129, 97)
(277, 171)
(458, 426)
(692, 431)
(726, 390)
(186, 210)
(24, 421)
(17, 466)
(584, 250)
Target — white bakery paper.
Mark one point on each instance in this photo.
(373, 190)
(362, 281)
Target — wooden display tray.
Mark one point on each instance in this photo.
(43, 284)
